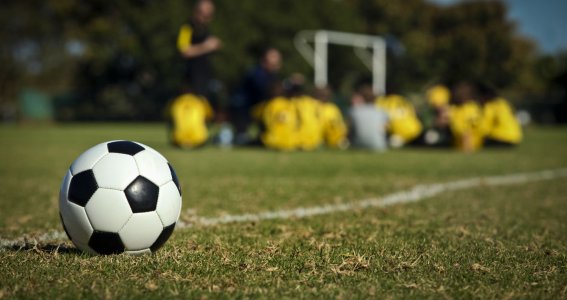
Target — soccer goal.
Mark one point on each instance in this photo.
(370, 49)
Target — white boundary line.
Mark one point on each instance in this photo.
(413, 194)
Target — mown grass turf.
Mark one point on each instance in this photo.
(490, 242)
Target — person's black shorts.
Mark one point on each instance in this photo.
(488, 142)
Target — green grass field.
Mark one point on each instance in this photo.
(486, 242)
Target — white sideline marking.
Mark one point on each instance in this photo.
(413, 194)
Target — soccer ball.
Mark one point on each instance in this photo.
(120, 196)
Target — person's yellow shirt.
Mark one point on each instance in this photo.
(189, 114)
(184, 38)
(403, 120)
(280, 120)
(334, 127)
(499, 122)
(465, 123)
(310, 127)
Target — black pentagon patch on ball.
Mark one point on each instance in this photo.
(124, 147)
(142, 195)
(82, 187)
(163, 237)
(174, 178)
(106, 243)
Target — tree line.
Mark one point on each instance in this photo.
(117, 60)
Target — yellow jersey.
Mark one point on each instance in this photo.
(184, 37)
(465, 123)
(403, 120)
(499, 122)
(189, 114)
(333, 125)
(309, 131)
(280, 119)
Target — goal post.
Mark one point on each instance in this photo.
(370, 49)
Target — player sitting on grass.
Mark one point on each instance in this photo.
(253, 92)
(466, 118)
(439, 133)
(368, 121)
(279, 119)
(404, 126)
(309, 127)
(499, 124)
(299, 121)
(188, 120)
(332, 122)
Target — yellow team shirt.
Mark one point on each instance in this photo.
(403, 120)
(189, 114)
(184, 38)
(301, 123)
(333, 125)
(465, 124)
(309, 130)
(280, 118)
(499, 122)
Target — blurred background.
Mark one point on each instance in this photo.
(66, 60)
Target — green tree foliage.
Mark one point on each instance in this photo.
(247, 26)
(117, 59)
(471, 40)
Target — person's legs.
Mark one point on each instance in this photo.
(241, 120)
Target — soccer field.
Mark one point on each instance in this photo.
(482, 241)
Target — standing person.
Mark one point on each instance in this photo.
(195, 44)
(190, 111)
(368, 120)
(255, 89)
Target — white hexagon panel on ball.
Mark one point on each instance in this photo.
(120, 196)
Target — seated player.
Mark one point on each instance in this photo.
(256, 88)
(368, 120)
(465, 118)
(439, 133)
(189, 114)
(332, 122)
(309, 127)
(280, 121)
(499, 124)
(404, 126)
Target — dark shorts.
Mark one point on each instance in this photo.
(488, 142)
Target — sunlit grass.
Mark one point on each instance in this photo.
(486, 242)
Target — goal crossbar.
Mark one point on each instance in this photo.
(370, 49)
